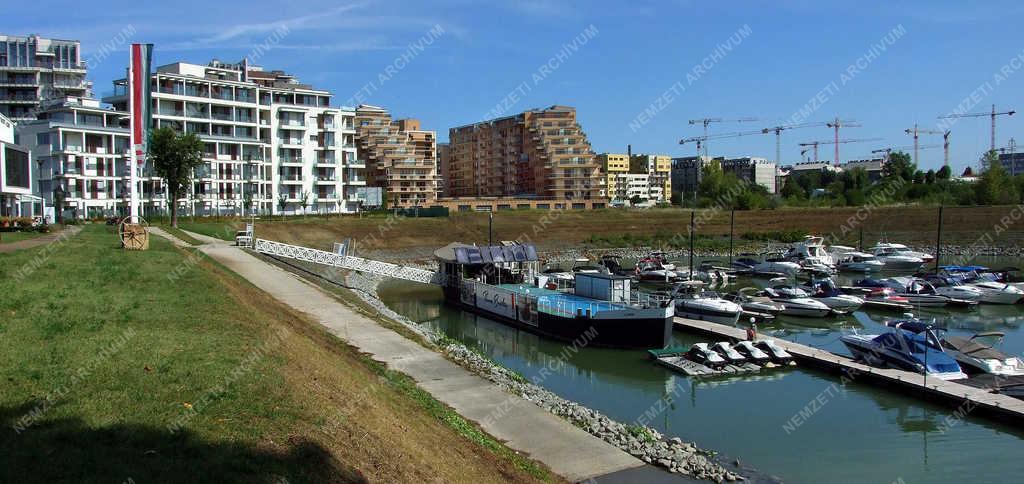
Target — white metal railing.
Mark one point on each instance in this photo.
(323, 257)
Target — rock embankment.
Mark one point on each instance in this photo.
(641, 441)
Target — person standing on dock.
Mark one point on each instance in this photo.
(752, 332)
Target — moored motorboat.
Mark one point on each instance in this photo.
(750, 301)
(917, 292)
(849, 259)
(975, 355)
(826, 291)
(692, 301)
(896, 260)
(653, 271)
(910, 345)
(811, 253)
(796, 302)
(769, 267)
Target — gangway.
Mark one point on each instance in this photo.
(323, 257)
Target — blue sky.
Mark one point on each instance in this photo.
(627, 56)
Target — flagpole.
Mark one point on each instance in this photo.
(133, 162)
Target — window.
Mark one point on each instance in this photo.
(43, 138)
(16, 168)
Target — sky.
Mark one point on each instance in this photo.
(635, 71)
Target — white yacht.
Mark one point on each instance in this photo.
(977, 356)
(848, 259)
(797, 302)
(692, 301)
(811, 254)
(897, 257)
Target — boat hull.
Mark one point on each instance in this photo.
(864, 349)
(702, 314)
(640, 329)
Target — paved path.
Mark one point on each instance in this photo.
(525, 427)
(69, 231)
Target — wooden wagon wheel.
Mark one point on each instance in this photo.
(133, 236)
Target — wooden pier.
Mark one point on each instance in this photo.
(969, 398)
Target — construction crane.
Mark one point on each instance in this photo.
(839, 123)
(945, 140)
(814, 144)
(992, 115)
(702, 140)
(707, 121)
(778, 135)
(890, 149)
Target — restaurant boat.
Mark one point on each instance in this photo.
(503, 283)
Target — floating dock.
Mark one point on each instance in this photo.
(966, 396)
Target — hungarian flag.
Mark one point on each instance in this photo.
(140, 97)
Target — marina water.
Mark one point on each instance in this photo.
(801, 425)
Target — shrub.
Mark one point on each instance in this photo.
(24, 222)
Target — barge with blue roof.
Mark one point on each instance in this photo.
(504, 283)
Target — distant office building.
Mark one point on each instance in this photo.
(540, 153)
(400, 157)
(873, 167)
(753, 170)
(1012, 162)
(647, 177)
(17, 184)
(33, 69)
(687, 172)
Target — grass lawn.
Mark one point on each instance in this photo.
(111, 370)
(8, 237)
(177, 232)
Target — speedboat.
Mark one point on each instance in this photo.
(977, 356)
(662, 257)
(692, 301)
(750, 352)
(895, 260)
(701, 353)
(748, 299)
(775, 352)
(918, 293)
(952, 287)
(850, 260)
(653, 270)
(911, 345)
(993, 290)
(726, 350)
(612, 263)
(810, 253)
(583, 264)
(904, 250)
(770, 266)
(826, 291)
(559, 276)
(797, 302)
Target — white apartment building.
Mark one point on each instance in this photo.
(80, 148)
(17, 183)
(272, 144)
(33, 69)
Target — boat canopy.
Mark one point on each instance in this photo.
(963, 268)
(973, 348)
(495, 254)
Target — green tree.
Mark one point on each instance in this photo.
(174, 157)
(899, 165)
(791, 189)
(995, 186)
(944, 173)
(282, 202)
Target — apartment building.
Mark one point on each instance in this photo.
(537, 153)
(17, 184)
(272, 144)
(81, 148)
(647, 177)
(33, 69)
(658, 169)
(400, 156)
(687, 172)
(443, 162)
(753, 170)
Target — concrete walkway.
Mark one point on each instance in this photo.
(525, 427)
(67, 232)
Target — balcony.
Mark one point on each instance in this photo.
(290, 160)
(325, 180)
